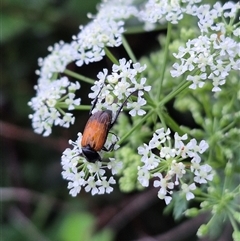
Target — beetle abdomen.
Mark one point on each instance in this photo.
(96, 130)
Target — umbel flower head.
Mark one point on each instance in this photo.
(49, 102)
(215, 52)
(168, 165)
(82, 174)
(124, 80)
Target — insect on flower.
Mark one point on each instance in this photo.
(96, 131)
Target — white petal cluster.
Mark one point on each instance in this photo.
(159, 157)
(104, 30)
(61, 54)
(113, 89)
(215, 52)
(48, 103)
(162, 11)
(81, 174)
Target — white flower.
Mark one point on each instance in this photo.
(159, 137)
(152, 161)
(186, 189)
(164, 184)
(178, 144)
(192, 149)
(163, 195)
(68, 119)
(178, 69)
(74, 190)
(96, 167)
(104, 185)
(203, 174)
(76, 183)
(177, 169)
(216, 80)
(143, 176)
(144, 151)
(140, 86)
(136, 107)
(197, 80)
(71, 102)
(115, 166)
(91, 186)
(195, 163)
(167, 152)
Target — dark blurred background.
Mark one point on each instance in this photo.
(35, 204)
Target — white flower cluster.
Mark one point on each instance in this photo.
(105, 29)
(163, 11)
(160, 157)
(50, 99)
(215, 52)
(82, 174)
(61, 54)
(121, 83)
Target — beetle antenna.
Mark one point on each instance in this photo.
(96, 99)
(120, 108)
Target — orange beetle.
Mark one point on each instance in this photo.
(96, 132)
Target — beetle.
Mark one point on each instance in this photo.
(96, 131)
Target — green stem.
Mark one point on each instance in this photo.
(78, 76)
(111, 56)
(172, 124)
(162, 119)
(183, 85)
(83, 107)
(139, 29)
(166, 50)
(128, 49)
(135, 127)
(228, 127)
(62, 105)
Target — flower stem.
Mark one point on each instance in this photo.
(140, 29)
(172, 124)
(128, 49)
(111, 56)
(135, 127)
(166, 50)
(174, 93)
(63, 105)
(78, 76)
(83, 107)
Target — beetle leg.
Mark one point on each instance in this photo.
(111, 147)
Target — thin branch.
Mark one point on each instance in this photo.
(24, 225)
(24, 195)
(182, 231)
(17, 133)
(136, 205)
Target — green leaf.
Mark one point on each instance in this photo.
(76, 227)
